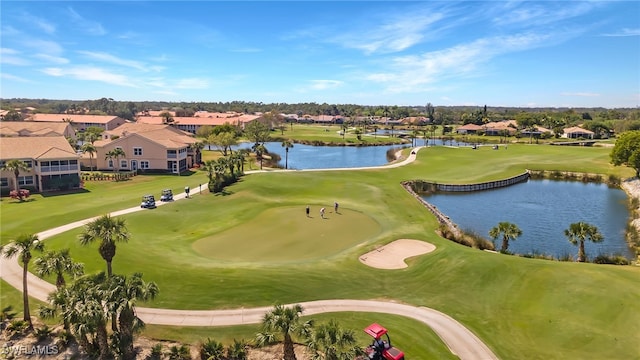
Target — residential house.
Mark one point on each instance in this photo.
(535, 131)
(81, 122)
(147, 147)
(577, 132)
(192, 124)
(498, 128)
(469, 129)
(30, 128)
(53, 163)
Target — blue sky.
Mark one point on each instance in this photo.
(499, 53)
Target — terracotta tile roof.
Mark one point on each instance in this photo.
(51, 147)
(165, 135)
(577, 129)
(155, 113)
(95, 119)
(470, 127)
(30, 128)
(199, 121)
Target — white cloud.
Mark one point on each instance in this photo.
(13, 77)
(108, 58)
(89, 73)
(192, 83)
(91, 27)
(52, 59)
(527, 14)
(580, 94)
(625, 32)
(44, 25)
(325, 84)
(8, 51)
(413, 73)
(44, 46)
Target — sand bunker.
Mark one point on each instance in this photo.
(392, 255)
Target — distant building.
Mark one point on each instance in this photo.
(577, 132)
(201, 118)
(80, 122)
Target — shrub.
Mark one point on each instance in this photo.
(64, 339)
(156, 352)
(43, 332)
(611, 259)
(237, 350)
(179, 353)
(19, 194)
(211, 350)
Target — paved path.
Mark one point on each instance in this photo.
(460, 340)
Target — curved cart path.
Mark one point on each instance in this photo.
(460, 340)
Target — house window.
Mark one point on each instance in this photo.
(29, 163)
(137, 151)
(110, 164)
(123, 163)
(144, 164)
(4, 182)
(25, 180)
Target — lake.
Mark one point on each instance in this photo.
(325, 157)
(543, 209)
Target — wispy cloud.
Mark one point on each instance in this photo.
(325, 84)
(108, 58)
(246, 50)
(52, 59)
(12, 57)
(90, 73)
(580, 94)
(413, 73)
(527, 14)
(91, 27)
(44, 46)
(38, 22)
(625, 32)
(192, 83)
(14, 78)
(394, 32)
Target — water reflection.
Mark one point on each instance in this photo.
(543, 209)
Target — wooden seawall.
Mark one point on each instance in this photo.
(426, 187)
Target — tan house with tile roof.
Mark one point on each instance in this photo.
(469, 129)
(31, 128)
(577, 132)
(147, 147)
(192, 124)
(53, 163)
(81, 122)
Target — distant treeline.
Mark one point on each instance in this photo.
(617, 120)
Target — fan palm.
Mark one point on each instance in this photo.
(578, 233)
(58, 263)
(108, 231)
(286, 320)
(23, 246)
(509, 232)
(15, 166)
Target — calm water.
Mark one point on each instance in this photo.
(323, 157)
(543, 209)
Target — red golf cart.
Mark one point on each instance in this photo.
(381, 348)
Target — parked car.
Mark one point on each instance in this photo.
(167, 195)
(148, 202)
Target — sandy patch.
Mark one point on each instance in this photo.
(392, 255)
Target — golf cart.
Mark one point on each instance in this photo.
(148, 202)
(167, 195)
(381, 349)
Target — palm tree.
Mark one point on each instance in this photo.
(331, 342)
(109, 231)
(116, 154)
(260, 150)
(23, 247)
(287, 144)
(123, 294)
(15, 166)
(90, 149)
(58, 263)
(287, 321)
(579, 232)
(508, 230)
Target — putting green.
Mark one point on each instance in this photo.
(286, 234)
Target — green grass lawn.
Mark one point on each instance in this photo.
(522, 308)
(331, 134)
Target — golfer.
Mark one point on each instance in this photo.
(308, 211)
(322, 213)
(335, 205)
